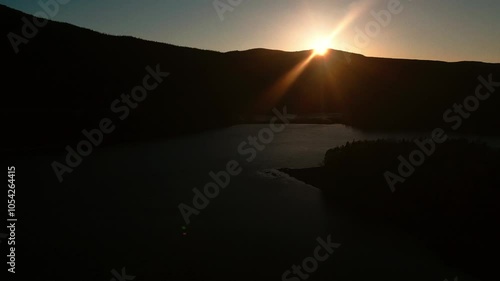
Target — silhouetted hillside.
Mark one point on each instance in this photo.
(65, 79)
(450, 201)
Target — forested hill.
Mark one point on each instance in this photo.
(65, 78)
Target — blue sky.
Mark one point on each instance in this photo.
(450, 30)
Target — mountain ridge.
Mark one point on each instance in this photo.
(66, 68)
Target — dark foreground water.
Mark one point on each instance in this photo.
(119, 208)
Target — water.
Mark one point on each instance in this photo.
(121, 205)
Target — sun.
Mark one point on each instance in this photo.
(320, 51)
(321, 48)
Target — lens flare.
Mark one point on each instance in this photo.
(321, 49)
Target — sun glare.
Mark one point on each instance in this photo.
(320, 51)
(321, 48)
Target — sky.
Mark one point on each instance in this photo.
(447, 30)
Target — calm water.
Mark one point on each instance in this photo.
(124, 199)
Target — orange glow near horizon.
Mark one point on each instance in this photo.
(322, 45)
(320, 48)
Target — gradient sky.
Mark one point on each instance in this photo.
(450, 30)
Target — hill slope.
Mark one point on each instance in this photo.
(65, 79)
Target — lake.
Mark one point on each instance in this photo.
(119, 208)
